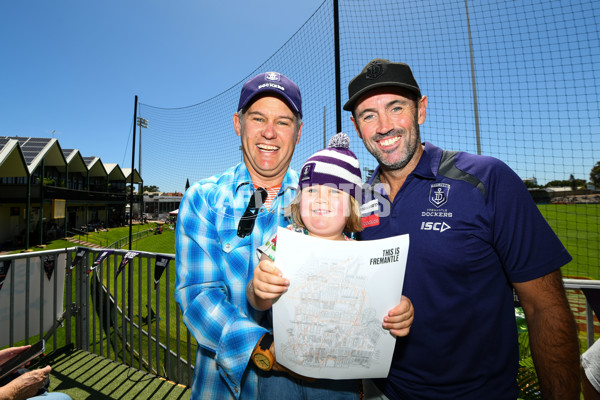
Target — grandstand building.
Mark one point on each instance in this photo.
(159, 205)
(46, 191)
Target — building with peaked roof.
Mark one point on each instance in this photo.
(12, 160)
(47, 191)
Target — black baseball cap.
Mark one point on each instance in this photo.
(380, 72)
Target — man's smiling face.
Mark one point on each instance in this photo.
(388, 123)
(269, 131)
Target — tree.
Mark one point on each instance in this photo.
(595, 175)
(151, 188)
(530, 184)
(569, 183)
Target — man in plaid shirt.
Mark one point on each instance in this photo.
(221, 222)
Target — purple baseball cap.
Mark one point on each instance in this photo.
(272, 82)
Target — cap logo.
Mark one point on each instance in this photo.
(438, 194)
(272, 76)
(374, 70)
(306, 173)
(271, 85)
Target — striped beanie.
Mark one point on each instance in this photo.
(335, 166)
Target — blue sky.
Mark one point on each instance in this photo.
(74, 67)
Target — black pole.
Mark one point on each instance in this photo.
(28, 215)
(132, 171)
(338, 93)
(475, 106)
(41, 212)
(141, 185)
(130, 271)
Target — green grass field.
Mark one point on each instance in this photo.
(578, 227)
(106, 238)
(144, 294)
(100, 238)
(163, 243)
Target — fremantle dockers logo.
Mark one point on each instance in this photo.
(374, 70)
(272, 76)
(438, 194)
(306, 172)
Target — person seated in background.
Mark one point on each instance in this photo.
(21, 384)
(590, 372)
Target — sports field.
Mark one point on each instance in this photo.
(578, 227)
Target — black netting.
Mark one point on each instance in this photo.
(535, 67)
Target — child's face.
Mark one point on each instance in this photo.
(324, 211)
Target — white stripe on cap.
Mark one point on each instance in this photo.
(336, 154)
(340, 172)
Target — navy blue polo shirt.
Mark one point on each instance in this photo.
(473, 229)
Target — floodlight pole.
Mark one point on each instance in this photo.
(132, 173)
(142, 123)
(130, 272)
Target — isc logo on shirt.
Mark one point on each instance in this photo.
(434, 226)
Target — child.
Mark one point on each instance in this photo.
(326, 207)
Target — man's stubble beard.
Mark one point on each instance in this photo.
(411, 149)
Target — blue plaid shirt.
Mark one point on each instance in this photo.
(213, 267)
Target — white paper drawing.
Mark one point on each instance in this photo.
(329, 323)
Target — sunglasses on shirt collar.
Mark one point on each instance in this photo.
(246, 224)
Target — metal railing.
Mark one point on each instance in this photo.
(125, 240)
(118, 244)
(579, 285)
(32, 299)
(107, 298)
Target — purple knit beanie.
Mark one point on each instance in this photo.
(335, 166)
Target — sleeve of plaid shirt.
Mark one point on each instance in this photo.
(207, 289)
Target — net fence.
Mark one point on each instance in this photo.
(532, 79)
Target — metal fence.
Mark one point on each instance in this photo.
(119, 310)
(135, 236)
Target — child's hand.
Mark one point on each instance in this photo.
(268, 282)
(400, 318)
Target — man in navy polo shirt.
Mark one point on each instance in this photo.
(475, 234)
